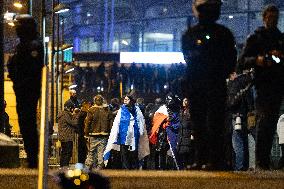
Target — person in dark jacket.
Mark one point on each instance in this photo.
(67, 126)
(25, 70)
(73, 98)
(185, 148)
(82, 143)
(97, 127)
(239, 103)
(210, 54)
(264, 52)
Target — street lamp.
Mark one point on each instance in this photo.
(66, 47)
(61, 8)
(18, 5)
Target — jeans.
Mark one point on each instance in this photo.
(251, 146)
(240, 147)
(96, 152)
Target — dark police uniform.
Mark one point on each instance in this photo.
(25, 69)
(210, 54)
(269, 84)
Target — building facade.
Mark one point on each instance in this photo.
(150, 25)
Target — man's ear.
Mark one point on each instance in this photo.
(195, 11)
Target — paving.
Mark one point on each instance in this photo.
(120, 179)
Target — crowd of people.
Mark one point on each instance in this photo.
(208, 113)
(211, 132)
(128, 134)
(144, 78)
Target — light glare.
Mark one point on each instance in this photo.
(152, 57)
(18, 5)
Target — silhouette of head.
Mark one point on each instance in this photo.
(26, 27)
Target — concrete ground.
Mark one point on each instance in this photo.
(27, 179)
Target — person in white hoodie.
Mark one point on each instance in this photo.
(280, 132)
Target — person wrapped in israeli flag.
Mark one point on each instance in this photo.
(128, 135)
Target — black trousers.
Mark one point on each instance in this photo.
(82, 149)
(267, 114)
(207, 108)
(66, 153)
(27, 111)
(129, 159)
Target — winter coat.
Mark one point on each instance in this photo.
(184, 141)
(269, 80)
(67, 125)
(25, 68)
(98, 120)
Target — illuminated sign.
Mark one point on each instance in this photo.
(152, 57)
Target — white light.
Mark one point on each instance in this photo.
(207, 37)
(79, 166)
(68, 48)
(124, 42)
(46, 39)
(70, 173)
(9, 16)
(132, 87)
(159, 36)
(152, 57)
(165, 86)
(89, 14)
(102, 89)
(72, 86)
(11, 24)
(63, 10)
(70, 70)
(276, 59)
(231, 16)
(98, 88)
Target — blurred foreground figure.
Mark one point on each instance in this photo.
(263, 51)
(80, 178)
(25, 68)
(209, 51)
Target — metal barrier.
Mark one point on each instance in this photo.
(54, 157)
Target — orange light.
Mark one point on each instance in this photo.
(18, 5)
(199, 42)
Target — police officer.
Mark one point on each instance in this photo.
(264, 51)
(209, 50)
(25, 68)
